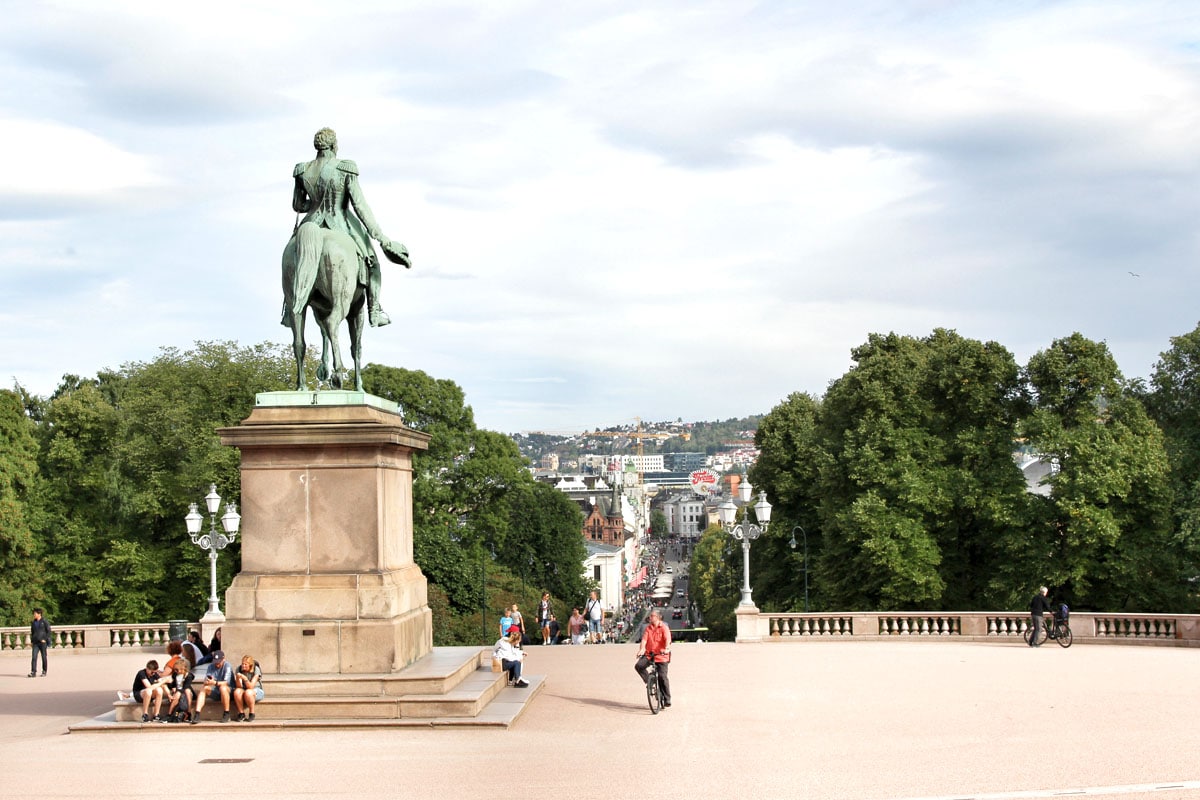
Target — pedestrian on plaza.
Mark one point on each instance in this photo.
(218, 685)
(594, 615)
(1038, 606)
(544, 617)
(656, 644)
(554, 629)
(511, 656)
(39, 640)
(519, 621)
(576, 625)
(506, 621)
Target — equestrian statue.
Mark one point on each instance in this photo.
(329, 264)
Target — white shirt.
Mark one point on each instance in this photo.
(507, 651)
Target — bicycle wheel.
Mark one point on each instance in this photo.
(652, 693)
(1026, 634)
(1063, 635)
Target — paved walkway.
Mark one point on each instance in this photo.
(827, 719)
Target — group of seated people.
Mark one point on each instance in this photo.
(169, 694)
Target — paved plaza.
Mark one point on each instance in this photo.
(820, 719)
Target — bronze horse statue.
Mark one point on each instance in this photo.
(322, 271)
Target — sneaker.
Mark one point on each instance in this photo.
(250, 717)
(225, 717)
(240, 717)
(120, 695)
(33, 674)
(43, 673)
(666, 704)
(145, 717)
(195, 720)
(163, 720)
(521, 683)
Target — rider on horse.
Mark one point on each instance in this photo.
(326, 189)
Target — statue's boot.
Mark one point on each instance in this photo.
(378, 317)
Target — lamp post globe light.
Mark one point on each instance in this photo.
(213, 541)
(745, 531)
(792, 543)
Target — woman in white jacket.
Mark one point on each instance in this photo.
(511, 656)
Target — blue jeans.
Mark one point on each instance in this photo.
(513, 668)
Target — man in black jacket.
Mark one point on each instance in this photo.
(39, 640)
(1038, 606)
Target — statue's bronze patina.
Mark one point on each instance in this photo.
(329, 264)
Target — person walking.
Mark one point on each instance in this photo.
(594, 615)
(518, 619)
(544, 617)
(1038, 606)
(576, 626)
(39, 640)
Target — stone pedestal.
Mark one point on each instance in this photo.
(747, 619)
(328, 583)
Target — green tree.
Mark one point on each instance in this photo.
(788, 469)
(1174, 403)
(714, 581)
(123, 456)
(20, 577)
(1106, 538)
(919, 491)
(658, 524)
(545, 534)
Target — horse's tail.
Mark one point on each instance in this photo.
(309, 240)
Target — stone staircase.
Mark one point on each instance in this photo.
(450, 686)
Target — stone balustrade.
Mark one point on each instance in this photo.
(1175, 630)
(152, 637)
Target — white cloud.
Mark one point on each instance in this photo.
(614, 210)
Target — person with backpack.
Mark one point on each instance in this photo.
(595, 616)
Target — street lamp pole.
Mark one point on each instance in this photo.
(793, 545)
(745, 531)
(213, 541)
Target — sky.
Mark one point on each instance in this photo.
(614, 209)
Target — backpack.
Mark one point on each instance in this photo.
(1063, 611)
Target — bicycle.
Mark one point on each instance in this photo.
(1057, 628)
(653, 690)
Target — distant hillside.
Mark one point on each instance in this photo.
(684, 437)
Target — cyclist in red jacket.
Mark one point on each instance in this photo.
(656, 643)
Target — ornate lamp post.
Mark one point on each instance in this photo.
(745, 531)
(213, 541)
(792, 542)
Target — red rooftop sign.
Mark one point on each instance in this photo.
(703, 481)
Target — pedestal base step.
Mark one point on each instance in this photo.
(449, 686)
